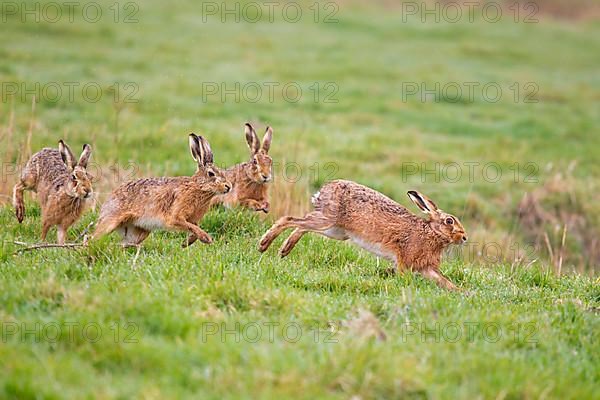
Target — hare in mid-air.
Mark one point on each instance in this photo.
(62, 184)
(347, 210)
(250, 179)
(174, 203)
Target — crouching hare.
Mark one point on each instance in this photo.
(346, 210)
(175, 203)
(250, 178)
(62, 184)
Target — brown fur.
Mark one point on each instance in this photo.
(177, 203)
(346, 210)
(62, 186)
(250, 179)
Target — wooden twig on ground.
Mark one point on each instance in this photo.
(45, 246)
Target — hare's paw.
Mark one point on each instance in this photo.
(20, 212)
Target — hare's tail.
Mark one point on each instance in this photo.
(315, 198)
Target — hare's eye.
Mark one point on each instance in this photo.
(254, 161)
(74, 178)
(449, 221)
(211, 174)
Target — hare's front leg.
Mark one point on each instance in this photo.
(439, 278)
(256, 205)
(46, 225)
(196, 231)
(61, 233)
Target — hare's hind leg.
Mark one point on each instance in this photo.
(26, 182)
(291, 241)
(132, 235)
(331, 232)
(18, 201)
(314, 221)
(106, 225)
(439, 278)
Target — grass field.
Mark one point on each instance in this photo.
(222, 321)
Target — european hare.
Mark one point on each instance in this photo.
(62, 185)
(346, 210)
(250, 178)
(176, 203)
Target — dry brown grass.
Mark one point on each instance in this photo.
(557, 219)
(289, 198)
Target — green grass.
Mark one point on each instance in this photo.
(168, 300)
(523, 333)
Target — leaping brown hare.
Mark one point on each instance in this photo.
(250, 179)
(62, 184)
(138, 207)
(347, 210)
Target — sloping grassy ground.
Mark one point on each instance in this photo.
(221, 321)
(167, 318)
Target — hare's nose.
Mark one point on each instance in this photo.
(465, 238)
(265, 178)
(227, 187)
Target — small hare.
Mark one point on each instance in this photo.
(250, 179)
(174, 203)
(62, 184)
(347, 210)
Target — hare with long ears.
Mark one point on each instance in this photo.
(174, 203)
(250, 179)
(346, 210)
(62, 184)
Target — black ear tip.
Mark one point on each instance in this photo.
(249, 126)
(411, 193)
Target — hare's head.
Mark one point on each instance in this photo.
(261, 164)
(447, 226)
(214, 179)
(79, 184)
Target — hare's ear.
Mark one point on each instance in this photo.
(195, 148)
(66, 154)
(423, 202)
(266, 144)
(85, 156)
(251, 138)
(207, 154)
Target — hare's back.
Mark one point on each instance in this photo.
(145, 188)
(353, 205)
(46, 165)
